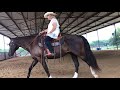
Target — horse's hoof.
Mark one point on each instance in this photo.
(75, 75)
(50, 76)
(96, 76)
(27, 76)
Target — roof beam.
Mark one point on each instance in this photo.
(69, 15)
(25, 22)
(15, 23)
(73, 21)
(43, 24)
(8, 29)
(35, 22)
(101, 23)
(4, 35)
(39, 26)
(59, 15)
(93, 21)
(101, 27)
(84, 20)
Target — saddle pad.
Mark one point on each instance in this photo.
(40, 45)
(53, 44)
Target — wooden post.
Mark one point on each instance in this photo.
(4, 48)
(116, 37)
(98, 39)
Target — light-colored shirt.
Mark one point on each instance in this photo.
(56, 32)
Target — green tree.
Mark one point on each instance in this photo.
(101, 43)
(115, 40)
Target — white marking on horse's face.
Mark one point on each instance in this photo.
(12, 42)
(75, 75)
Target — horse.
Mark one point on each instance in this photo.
(75, 45)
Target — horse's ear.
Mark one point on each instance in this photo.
(11, 39)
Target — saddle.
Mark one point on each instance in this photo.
(55, 42)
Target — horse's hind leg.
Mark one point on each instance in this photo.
(91, 69)
(45, 67)
(31, 67)
(76, 63)
(93, 72)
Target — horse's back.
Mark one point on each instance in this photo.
(73, 38)
(75, 43)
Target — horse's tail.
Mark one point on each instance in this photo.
(90, 58)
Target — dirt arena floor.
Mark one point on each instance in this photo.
(108, 61)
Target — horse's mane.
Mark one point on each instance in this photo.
(35, 40)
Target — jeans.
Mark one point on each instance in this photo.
(48, 44)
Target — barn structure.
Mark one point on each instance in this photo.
(21, 24)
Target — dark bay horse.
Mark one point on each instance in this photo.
(76, 46)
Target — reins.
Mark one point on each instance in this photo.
(34, 39)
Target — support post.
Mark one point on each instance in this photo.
(116, 37)
(4, 48)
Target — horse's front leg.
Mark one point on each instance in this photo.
(31, 67)
(45, 67)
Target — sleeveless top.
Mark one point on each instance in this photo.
(55, 33)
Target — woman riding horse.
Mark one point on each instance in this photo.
(75, 45)
(52, 31)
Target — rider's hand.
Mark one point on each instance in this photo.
(40, 33)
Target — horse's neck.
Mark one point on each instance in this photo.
(25, 46)
(25, 43)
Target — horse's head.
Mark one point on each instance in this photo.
(13, 47)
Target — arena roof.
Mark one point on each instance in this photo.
(20, 24)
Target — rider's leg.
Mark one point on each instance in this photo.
(48, 44)
(48, 52)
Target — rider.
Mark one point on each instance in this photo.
(52, 31)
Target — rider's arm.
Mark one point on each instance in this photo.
(43, 31)
(54, 27)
